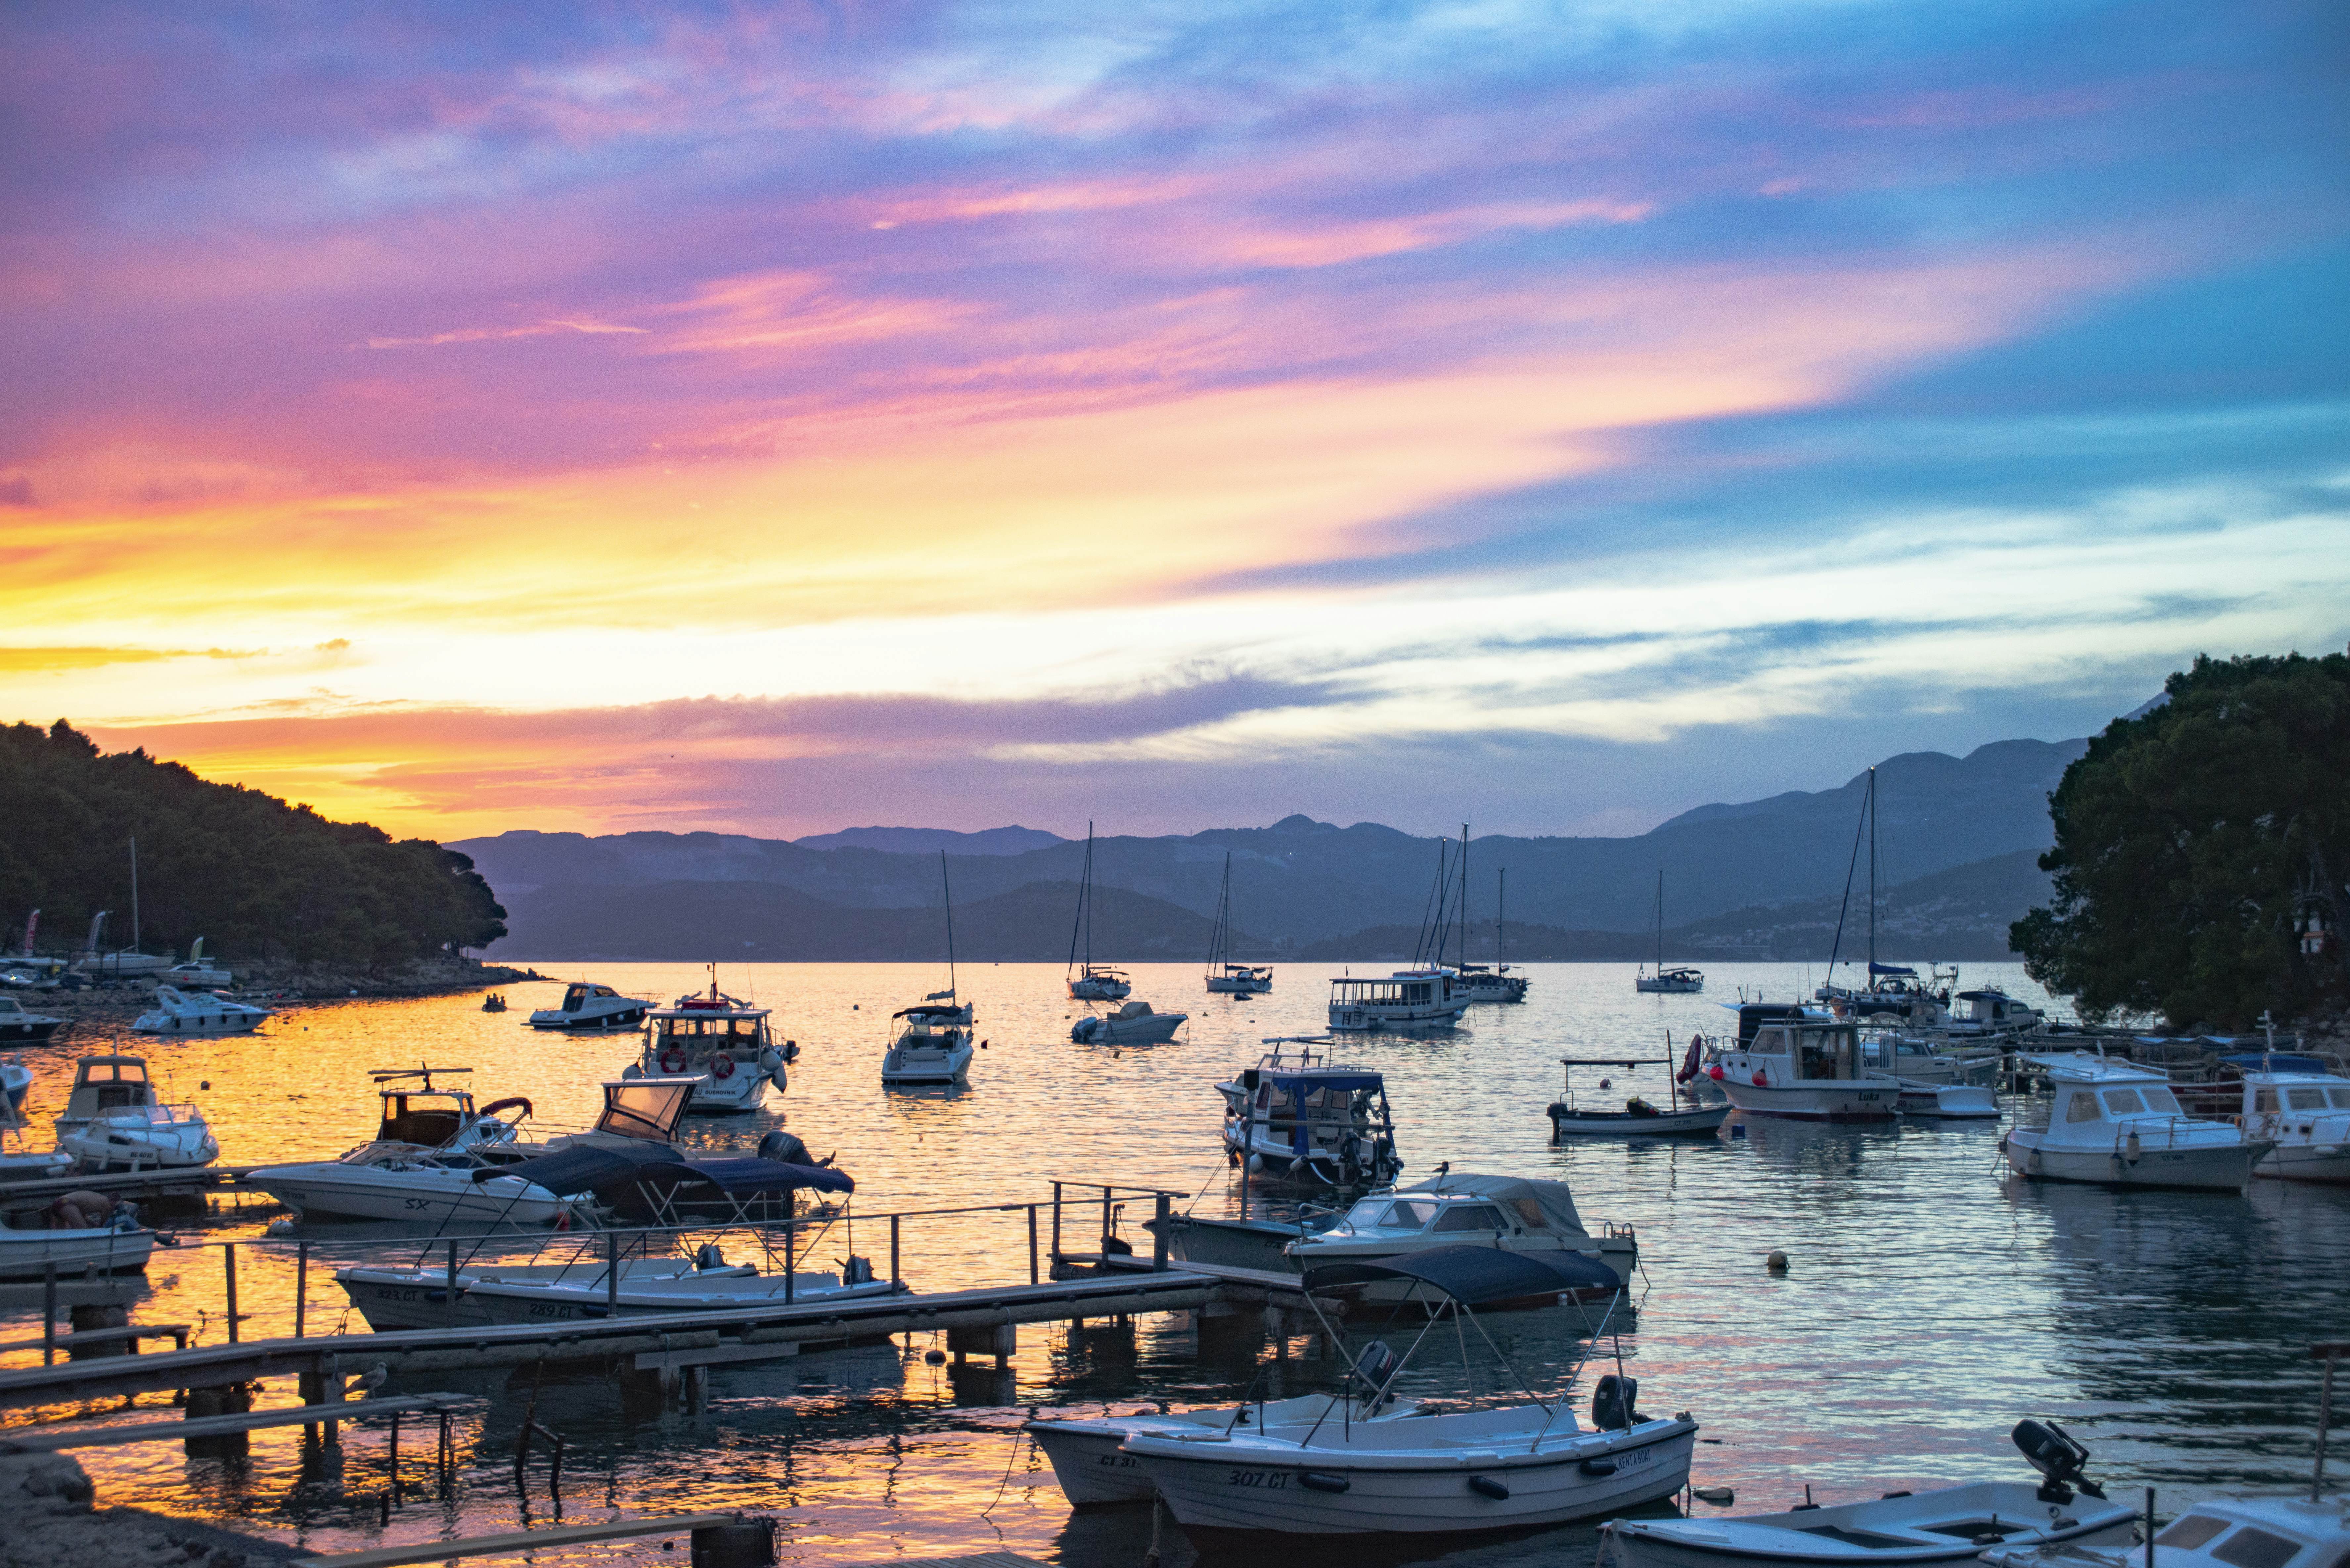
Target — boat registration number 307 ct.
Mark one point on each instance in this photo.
(1271, 1480)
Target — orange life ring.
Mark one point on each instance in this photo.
(1760, 1081)
(672, 1062)
(722, 1065)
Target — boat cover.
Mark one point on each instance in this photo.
(587, 1168)
(2276, 1062)
(1876, 968)
(1313, 1078)
(1541, 1205)
(1476, 1275)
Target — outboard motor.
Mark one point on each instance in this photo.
(2054, 1453)
(1375, 1367)
(707, 1256)
(856, 1270)
(783, 1148)
(1612, 1402)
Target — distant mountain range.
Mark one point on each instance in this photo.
(1955, 846)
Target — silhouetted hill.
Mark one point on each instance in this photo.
(1014, 840)
(1301, 881)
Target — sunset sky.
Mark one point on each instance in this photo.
(773, 419)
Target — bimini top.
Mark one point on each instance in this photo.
(1876, 968)
(1538, 1205)
(590, 1167)
(2080, 1067)
(1311, 1078)
(1476, 1275)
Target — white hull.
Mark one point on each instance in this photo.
(1092, 1471)
(1668, 987)
(1276, 1157)
(2219, 1166)
(395, 1299)
(916, 1068)
(1219, 986)
(199, 1027)
(1704, 1121)
(1619, 1254)
(1817, 1099)
(1929, 1527)
(744, 1090)
(27, 1254)
(124, 1144)
(1948, 1102)
(331, 1190)
(1150, 1029)
(2307, 1162)
(631, 1019)
(1374, 1485)
(1430, 1016)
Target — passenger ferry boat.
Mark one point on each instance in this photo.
(1299, 1115)
(1408, 999)
(585, 1005)
(723, 1044)
(1807, 1068)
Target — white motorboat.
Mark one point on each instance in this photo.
(420, 1166)
(1511, 1213)
(1226, 978)
(1949, 1524)
(126, 963)
(1947, 1102)
(17, 1161)
(1084, 1451)
(1678, 981)
(2307, 1115)
(178, 1012)
(1133, 1023)
(1486, 984)
(1894, 995)
(1991, 1011)
(1088, 980)
(723, 1044)
(114, 1121)
(615, 1178)
(1807, 1067)
(1639, 1118)
(587, 1005)
(1497, 1469)
(1303, 1118)
(1408, 999)
(1916, 1059)
(121, 1248)
(2271, 1531)
(2118, 1124)
(21, 1026)
(926, 1054)
(15, 1083)
(197, 972)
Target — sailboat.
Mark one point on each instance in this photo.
(1676, 982)
(934, 1047)
(1893, 992)
(1226, 978)
(1091, 983)
(129, 963)
(1496, 984)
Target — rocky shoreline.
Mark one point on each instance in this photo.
(272, 983)
(47, 1502)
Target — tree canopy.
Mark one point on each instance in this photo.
(255, 876)
(2194, 842)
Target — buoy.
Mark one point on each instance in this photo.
(1606, 1082)
(2134, 1147)
(206, 1083)
(1256, 1162)
(1777, 1262)
(935, 1358)
(1719, 1495)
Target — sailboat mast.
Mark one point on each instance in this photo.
(1872, 876)
(1084, 882)
(1086, 899)
(1660, 920)
(134, 893)
(948, 887)
(1501, 905)
(1461, 923)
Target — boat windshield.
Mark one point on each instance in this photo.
(1367, 1212)
(644, 1109)
(427, 1119)
(114, 1072)
(1411, 1215)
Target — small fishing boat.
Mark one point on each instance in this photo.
(197, 972)
(1678, 981)
(1807, 1067)
(1301, 1117)
(1088, 980)
(1452, 1209)
(1134, 1023)
(1950, 1524)
(122, 1248)
(1479, 1469)
(21, 1026)
(430, 1142)
(722, 1044)
(178, 1012)
(1638, 1118)
(2119, 1125)
(1407, 1000)
(114, 1121)
(1991, 1011)
(1084, 1451)
(494, 1003)
(926, 1053)
(1226, 978)
(17, 1161)
(2307, 1115)
(587, 1005)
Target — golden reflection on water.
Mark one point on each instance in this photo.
(1932, 1303)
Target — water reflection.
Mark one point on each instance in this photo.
(1931, 1302)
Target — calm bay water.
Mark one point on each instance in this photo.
(1932, 1301)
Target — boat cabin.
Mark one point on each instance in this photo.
(697, 1026)
(104, 1085)
(1313, 1117)
(1808, 1047)
(579, 994)
(1993, 1009)
(426, 1117)
(1752, 1015)
(1407, 997)
(2091, 1092)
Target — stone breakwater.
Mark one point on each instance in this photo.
(46, 1504)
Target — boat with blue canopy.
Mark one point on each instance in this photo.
(1300, 1116)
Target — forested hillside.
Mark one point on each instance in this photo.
(255, 876)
